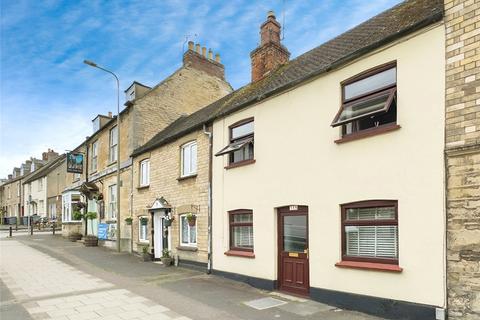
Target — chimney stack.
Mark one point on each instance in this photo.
(109, 114)
(270, 54)
(49, 155)
(197, 57)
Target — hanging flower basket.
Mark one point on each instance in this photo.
(128, 221)
(168, 221)
(143, 221)
(192, 219)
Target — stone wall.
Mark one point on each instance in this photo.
(182, 194)
(462, 146)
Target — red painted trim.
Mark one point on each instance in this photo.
(369, 266)
(244, 254)
(240, 164)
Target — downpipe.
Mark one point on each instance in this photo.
(209, 237)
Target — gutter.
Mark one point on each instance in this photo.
(209, 224)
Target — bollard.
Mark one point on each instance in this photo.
(16, 227)
(31, 230)
(53, 229)
(10, 231)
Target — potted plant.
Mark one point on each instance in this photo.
(90, 240)
(167, 222)
(143, 221)
(166, 258)
(192, 219)
(145, 255)
(74, 236)
(128, 221)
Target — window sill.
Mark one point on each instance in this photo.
(143, 242)
(71, 222)
(187, 248)
(143, 187)
(244, 254)
(111, 221)
(368, 133)
(369, 266)
(191, 176)
(240, 164)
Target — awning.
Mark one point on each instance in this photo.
(89, 190)
(234, 146)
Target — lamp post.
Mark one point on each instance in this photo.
(93, 64)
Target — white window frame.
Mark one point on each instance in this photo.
(140, 226)
(187, 244)
(144, 172)
(40, 184)
(112, 205)
(94, 156)
(113, 145)
(188, 166)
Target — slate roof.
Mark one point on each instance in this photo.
(399, 21)
(46, 169)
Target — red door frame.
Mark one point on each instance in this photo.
(281, 212)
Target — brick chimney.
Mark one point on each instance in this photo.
(270, 54)
(197, 57)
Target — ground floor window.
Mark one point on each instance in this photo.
(370, 231)
(143, 229)
(188, 233)
(241, 230)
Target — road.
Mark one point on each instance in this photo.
(47, 277)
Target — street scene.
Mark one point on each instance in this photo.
(274, 159)
(81, 283)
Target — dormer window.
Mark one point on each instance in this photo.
(369, 101)
(240, 149)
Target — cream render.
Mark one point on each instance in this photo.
(292, 130)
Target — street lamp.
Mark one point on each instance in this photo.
(93, 64)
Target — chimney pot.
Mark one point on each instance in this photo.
(197, 47)
(204, 51)
(210, 54)
(109, 114)
(190, 45)
(217, 57)
(271, 14)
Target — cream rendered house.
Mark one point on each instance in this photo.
(328, 179)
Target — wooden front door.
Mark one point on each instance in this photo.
(293, 268)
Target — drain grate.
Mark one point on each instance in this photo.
(264, 303)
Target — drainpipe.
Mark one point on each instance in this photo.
(209, 241)
(131, 205)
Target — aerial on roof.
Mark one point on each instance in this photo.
(388, 26)
(46, 169)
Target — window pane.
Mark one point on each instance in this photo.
(243, 237)
(242, 130)
(184, 229)
(193, 162)
(375, 213)
(243, 218)
(377, 81)
(186, 152)
(372, 241)
(294, 233)
(193, 234)
(365, 107)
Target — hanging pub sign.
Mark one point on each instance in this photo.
(75, 162)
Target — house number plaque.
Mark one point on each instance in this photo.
(293, 208)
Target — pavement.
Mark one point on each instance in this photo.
(47, 277)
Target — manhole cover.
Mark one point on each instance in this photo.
(264, 303)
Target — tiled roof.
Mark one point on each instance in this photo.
(46, 169)
(392, 24)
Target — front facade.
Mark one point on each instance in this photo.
(300, 202)
(12, 200)
(36, 197)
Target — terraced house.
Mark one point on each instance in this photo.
(198, 82)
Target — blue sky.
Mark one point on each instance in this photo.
(48, 96)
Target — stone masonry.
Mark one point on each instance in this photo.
(184, 195)
(462, 25)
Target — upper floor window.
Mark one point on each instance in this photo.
(145, 172)
(370, 231)
(240, 148)
(94, 156)
(113, 144)
(40, 185)
(112, 201)
(18, 190)
(189, 159)
(369, 100)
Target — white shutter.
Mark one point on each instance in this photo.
(372, 241)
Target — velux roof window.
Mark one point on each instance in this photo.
(368, 100)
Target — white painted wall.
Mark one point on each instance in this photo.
(298, 163)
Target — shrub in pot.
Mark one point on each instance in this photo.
(166, 258)
(145, 255)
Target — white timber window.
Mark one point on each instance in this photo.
(112, 201)
(188, 233)
(143, 229)
(113, 144)
(189, 159)
(94, 155)
(145, 173)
